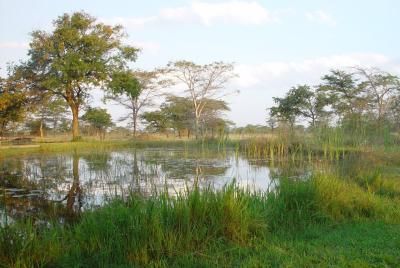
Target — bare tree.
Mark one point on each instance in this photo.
(136, 91)
(381, 89)
(203, 83)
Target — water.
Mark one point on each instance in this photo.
(62, 185)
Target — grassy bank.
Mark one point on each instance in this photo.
(57, 147)
(322, 221)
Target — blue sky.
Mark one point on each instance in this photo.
(274, 44)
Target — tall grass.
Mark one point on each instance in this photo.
(158, 230)
(324, 199)
(138, 231)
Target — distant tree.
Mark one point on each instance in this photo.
(271, 120)
(98, 119)
(287, 108)
(136, 91)
(179, 113)
(342, 93)
(309, 104)
(394, 113)
(382, 89)
(55, 112)
(47, 113)
(78, 55)
(212, 118)
(202, 82)
(157, 121)
(251, 129)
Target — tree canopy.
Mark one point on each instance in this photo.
(76, 56)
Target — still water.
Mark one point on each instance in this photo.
(61, 185)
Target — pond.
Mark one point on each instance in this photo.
(59, 186)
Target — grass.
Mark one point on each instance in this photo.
(56, 147)
(319, 222)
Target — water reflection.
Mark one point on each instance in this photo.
(60, 186)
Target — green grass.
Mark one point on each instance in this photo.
(56, 147)
(319, 222)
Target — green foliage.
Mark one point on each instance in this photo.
(177, 113)
(98, 118)
(364, 105)
(203, 83)
(157, 121)
(123, 82)
(12, 102)
(78, 54)
(342, 91)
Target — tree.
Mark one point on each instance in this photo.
(136, 91)
(271, 120)
(287, 108)
(98, 119)
(202, 82)
(76, 56)
(12, 102)
(309, 104)
(342, 93)
(48, 112)
(179, 113)
(157, 121)
(55, 112)
(212, 118)
(382, 89)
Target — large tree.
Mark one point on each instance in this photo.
(78, 55)
(202, 83)
(136, 91)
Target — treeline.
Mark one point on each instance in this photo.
(361, 106)
(49, 91)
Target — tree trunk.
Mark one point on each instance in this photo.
(75, 122)
(134, 124)
(41, 130)
(135, 113)
(197, 127)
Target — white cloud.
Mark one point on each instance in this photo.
(258, 83)
(131, 22)
(14, 45)
(147, 47)
(274, 74)
(207, 13)
(322, 17)
(233, 11)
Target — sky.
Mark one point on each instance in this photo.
(274, 44)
